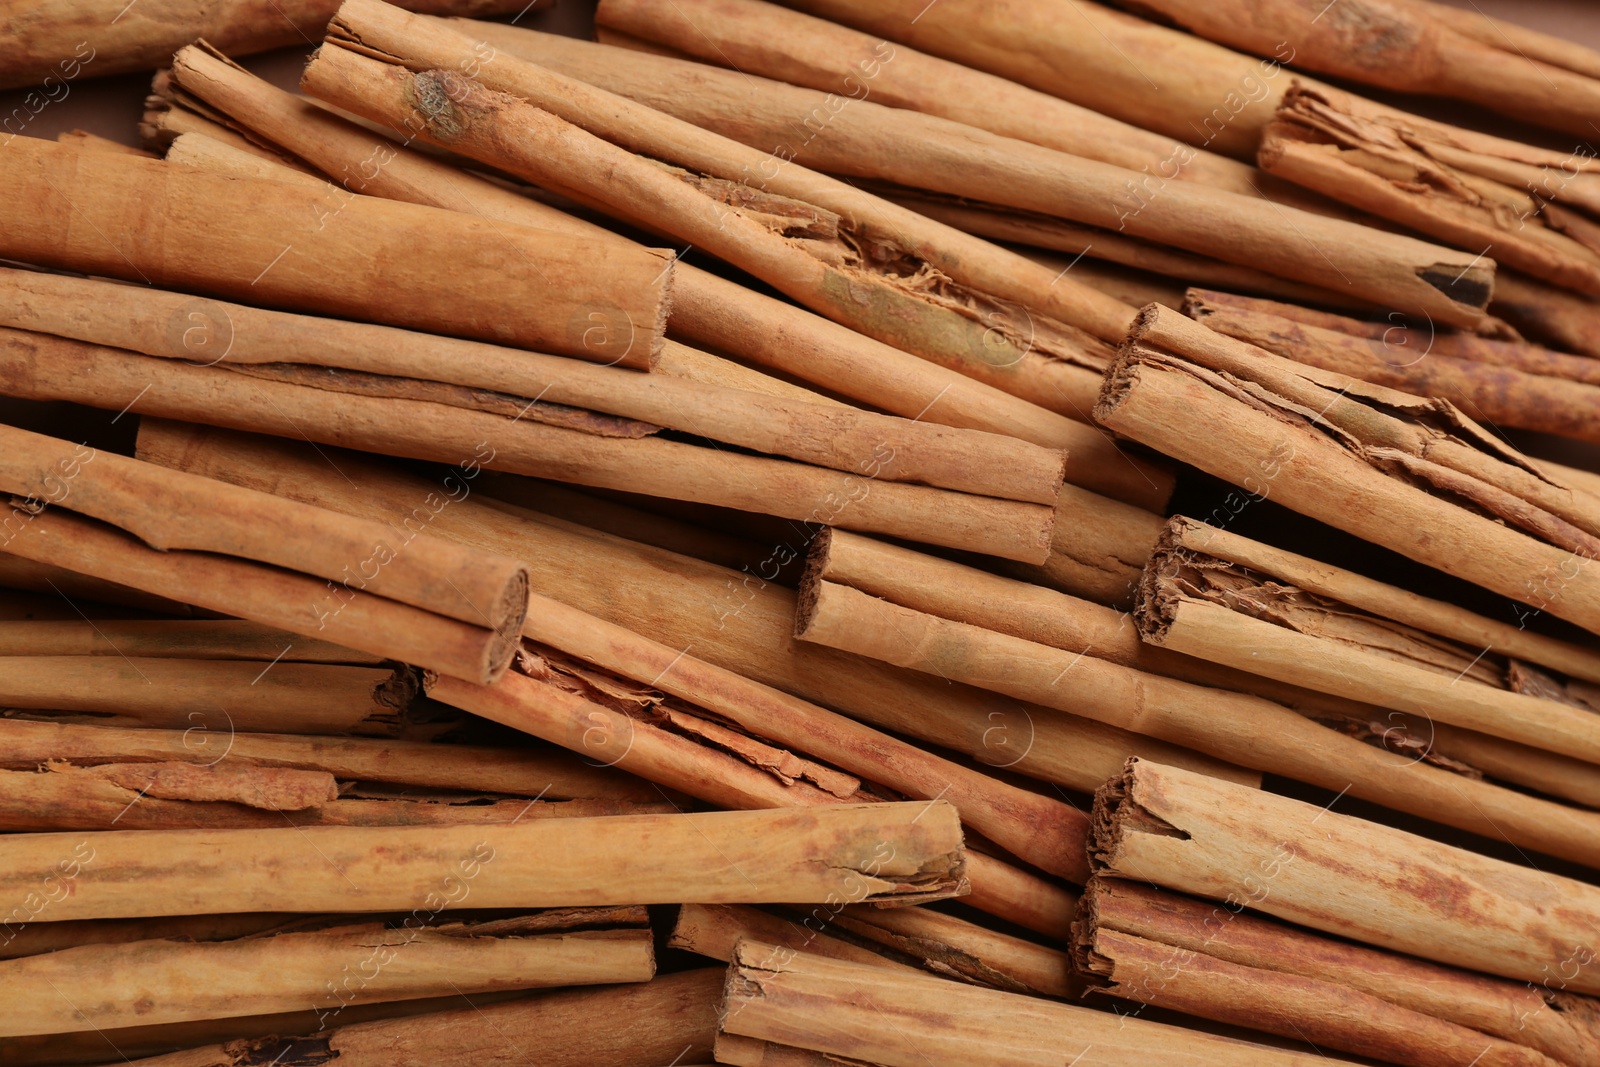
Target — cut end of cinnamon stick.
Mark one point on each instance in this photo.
(1118, 811)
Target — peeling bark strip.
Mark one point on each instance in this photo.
(1499, 394)
(887, 1017)
(707, 310)
(874, 852)
(154, 982)
(864, 139)
(1225, 613)
(311, 249)
(41, 32)
(1413, 475)
(1401, 46)
(1347, 876)
(1199, 724)
(671, 1016)
(1354, 983)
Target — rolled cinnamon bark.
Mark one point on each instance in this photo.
(1375, 159)
(902, 1020)
(171, 639)
(403, 417)
(212, 697)
(313, 249)
(1000, 280)
(1565, 319)
(715, 930)
(672, 1015)
(707, 309)
(156, 982)
(58, 582)
(1402, 47)
(864, 852)
(1168, 391)
(867, 140)
(1247, 730)
(737, 619)
(821, 433)
(54, 44)
(1293, 860)
(527, 772)
(1139, 71)
(1327, 1014)
(1561, 1026)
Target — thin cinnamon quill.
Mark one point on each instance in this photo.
(156, 982)
(171, 639)
(707, 310)
(314, 248)
(867, 1013)
(1357, 456)
(1167, 950)
(52, 45)
(1402, 47)
(864, 139)
(1346, 876)
(871, 852)
(738, 619)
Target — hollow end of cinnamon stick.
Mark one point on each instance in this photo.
(1116, 813)
(1123, 370)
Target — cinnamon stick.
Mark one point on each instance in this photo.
(1226, 725)
(708, 310)
(156, 982)
(1115, 63)
(215, 696)
(866, 852)
(406, 418)
(171, 639)
(312, 249)
(52, 46)
(715, 930)
(1377, 159)
(670, 1016)
(1402, 47)
(60, 583)
(1565, 319)
(1405, 892)
(1561, 1026)
(526, 772)
(1176, 367)
(866, 1013)
(1151, 971)
(869, 140)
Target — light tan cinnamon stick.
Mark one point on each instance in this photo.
(738, 620)
(387, 415)
(65, 585)
(1561, 1026)
(1139, 71)
(1243, 729)
(706, 309)
(155, 982)
(313, 249)
(866, 1013)
(867, 140)
(527, 772)
(866, 852)
(672, 1015)
(213, 697)
(715, 930)
(1150, 971)
(1402, 47)
(1169, 391)
(1371, 157)
(56, 44)
(1346, 876)
(171, 639)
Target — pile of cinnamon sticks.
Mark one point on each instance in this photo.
(800, 534)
